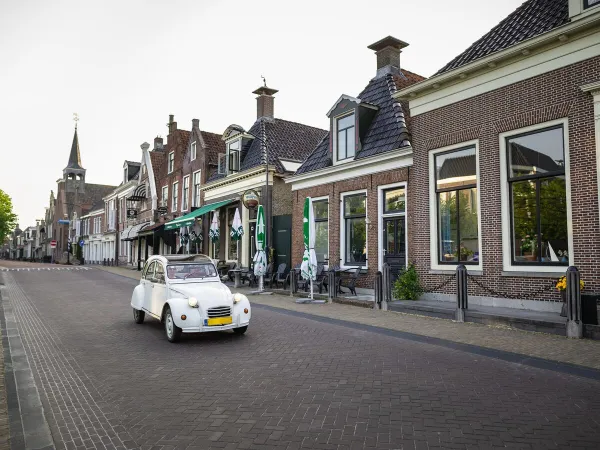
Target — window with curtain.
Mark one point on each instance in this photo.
(457, 207)
(186, 193)
(165, 196)
(345, 128)
(355, 228)
(538, 197)
(175, 196)
(321, 214)
(196, 181)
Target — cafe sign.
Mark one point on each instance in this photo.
(250, 199)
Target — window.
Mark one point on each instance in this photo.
(355, 229)
(175, 195)
(233, 156)
(171, 162)
(186, 193)
(589, 3)
(232, 247)
(394, 200)
(345, 143)
(457, 208)
(165, 196)
(538, 197)
(193, 151)
(321, 214)
(196, 180)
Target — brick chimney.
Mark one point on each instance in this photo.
(265, 102)
(388, 52)
(172, 124)
(158, 143)
(195, 123)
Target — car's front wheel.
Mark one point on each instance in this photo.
(240, 330)
(172, 331)
(138, 316)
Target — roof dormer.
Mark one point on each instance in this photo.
(579, 9)
(350, 119)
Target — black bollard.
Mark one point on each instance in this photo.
(293, 288)
(573, 297)
(378, 287)
(462, 296)
(332, 288)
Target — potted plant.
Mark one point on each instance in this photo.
(561, 286)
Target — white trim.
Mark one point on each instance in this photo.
(381, 217)
(175, 191)
(384, 162)
(162, 196)
(169, 168)
(199, 172)
(183, 199)
(343, 230)
(506, 228)
(433, 214)
(319, 199)
(594, 90)
(452, 89)
(334, 134)
(193, 151)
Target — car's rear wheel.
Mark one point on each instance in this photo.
(138, 316)
(240, 330)
(172, 331)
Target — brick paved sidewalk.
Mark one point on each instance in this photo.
(4, 424)
(583, 352)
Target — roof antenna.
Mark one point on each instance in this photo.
(75, 119)
(264, 80)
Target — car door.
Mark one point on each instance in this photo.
(159, 291)
(147, 281)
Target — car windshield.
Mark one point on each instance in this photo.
(190, 271)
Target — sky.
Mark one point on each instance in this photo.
(124, 66)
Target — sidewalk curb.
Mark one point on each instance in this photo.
(517, 358)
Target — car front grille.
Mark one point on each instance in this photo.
(219, 311)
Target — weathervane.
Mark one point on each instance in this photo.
(264, 80)
(75, 119)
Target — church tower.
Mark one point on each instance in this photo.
(74, 173)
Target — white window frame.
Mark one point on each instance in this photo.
(343, 229)
(507, 265)
(433, 213)
(381, 216)
(171, 162)
(196, 201)
(175, 197)
(317, 199)
(334, 137)
(185, 202)
(193, 151)
(239, 155)
(164, 198)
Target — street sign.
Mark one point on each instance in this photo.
(64, 221)
(81, 243)
(52, 244)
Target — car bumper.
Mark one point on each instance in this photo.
(208, 329)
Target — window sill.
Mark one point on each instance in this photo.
(476, 272)
(531, 274)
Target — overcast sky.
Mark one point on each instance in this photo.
(124, 66)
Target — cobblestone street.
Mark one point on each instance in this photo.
(297, 379)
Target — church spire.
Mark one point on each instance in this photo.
(75, 156)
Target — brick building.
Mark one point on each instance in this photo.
(359, 176)
(243, 166)
(506, 158)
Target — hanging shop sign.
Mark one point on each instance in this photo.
(250, 199)
(162, 210)
(132, 213)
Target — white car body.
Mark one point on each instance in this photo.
(216, 308)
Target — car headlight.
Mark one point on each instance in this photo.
(193, 302)
(238, 297)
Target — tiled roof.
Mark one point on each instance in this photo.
(285, 139)
(388, 129)
(531, 19)
(157, 158)
(214, 146)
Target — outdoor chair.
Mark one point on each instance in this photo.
(279, 276)
(248, 275)
(321, 281)
(228, 269)
(349, 281)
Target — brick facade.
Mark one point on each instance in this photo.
(554, 95)
(370, 183)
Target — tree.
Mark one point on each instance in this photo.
(8, 219)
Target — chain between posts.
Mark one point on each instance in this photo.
(443, 284)
(545, 288)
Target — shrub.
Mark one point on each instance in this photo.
(407, 285)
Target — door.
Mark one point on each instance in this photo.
(147, 277)
(159, 291)
(394, 244)
(282, 240)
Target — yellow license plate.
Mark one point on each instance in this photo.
(220, 321)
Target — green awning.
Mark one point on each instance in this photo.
(188, 219)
